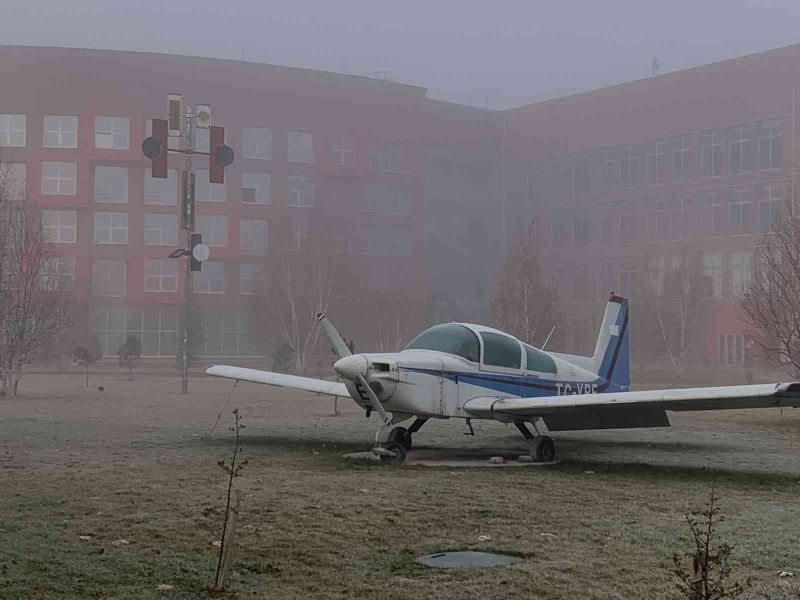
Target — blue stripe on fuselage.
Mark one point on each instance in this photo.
(520, 385)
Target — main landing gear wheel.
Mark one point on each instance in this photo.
(545, 450)
(398, 452)
(402, 436)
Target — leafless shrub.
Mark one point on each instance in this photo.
(35, 304)
(524, 301)
(711, 576)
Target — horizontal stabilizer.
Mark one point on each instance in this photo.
(317, 386)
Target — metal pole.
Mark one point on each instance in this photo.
(187, 277)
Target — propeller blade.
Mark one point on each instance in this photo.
(376, 403)
(336, 340)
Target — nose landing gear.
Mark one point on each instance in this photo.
(402, 436)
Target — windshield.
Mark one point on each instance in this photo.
(451, 338)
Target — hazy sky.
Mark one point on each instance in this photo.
(514, 51)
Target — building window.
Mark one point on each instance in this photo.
(108, 278)
(110, 228)
(388, 199)
(111, 184)
(343, 151)
(160, 229)
(741, 264)
(714, 219)
(60, 226)
(300, 147)
(202, 139)
(560, 235)
(251, 278)
(580, 285)
(386, 241)
(608, 277)
(299, 237)
(214, 229)
(211, 280)
(155, 326)
(163, 192)
(610, 169)
(711, 143)
(654, 275)
(160, 275)
(13, 130)
(731, 349)
(227, 333)
(581, 232)
(57, 273)
(256, 188)
(15, 180)
(681, 157)
(681, 217)
(204, 191)
(58, 178)
(769, 146)
(741, 149)
(257, 143)
(300, 191)
(629, 167)
(562, 182)
(656, 221)
(739, 211)
(712, 269)
(581, 176)
(627, 277)
(386, 158)
(627, 224)
(111, 133)
(657, 162)
(60, 132)
(608, 230)
(769, 204)
(253, 236)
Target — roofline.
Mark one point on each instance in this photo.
(659, 77)
(198, 57)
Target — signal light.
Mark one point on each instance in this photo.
(220, 155)
(199, 252)
(155, 148)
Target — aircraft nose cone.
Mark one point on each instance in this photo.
(350, 367)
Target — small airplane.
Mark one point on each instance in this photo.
(460, 370)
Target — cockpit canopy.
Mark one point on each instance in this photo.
(499, 350)
(451, 338)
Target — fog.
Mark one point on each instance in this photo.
(467, 51)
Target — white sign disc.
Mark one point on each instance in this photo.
(201, 252)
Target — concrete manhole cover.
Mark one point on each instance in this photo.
(460, 560)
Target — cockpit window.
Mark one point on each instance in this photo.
(451, 338)
(539, 361)
(501, 351)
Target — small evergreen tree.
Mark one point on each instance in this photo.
(88, 354)
(130, 354)
(283, 359)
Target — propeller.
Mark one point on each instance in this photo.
(336, 340)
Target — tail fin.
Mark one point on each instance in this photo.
(611, 354)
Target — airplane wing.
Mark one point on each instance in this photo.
(318, 386)
(633, 409)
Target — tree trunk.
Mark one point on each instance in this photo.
(87, 375)
(15, 378)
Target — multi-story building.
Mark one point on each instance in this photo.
(418, 196)
(314, 152)
(624, 180)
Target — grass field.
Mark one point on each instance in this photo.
(136, 462)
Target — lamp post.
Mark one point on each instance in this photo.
(181, 123)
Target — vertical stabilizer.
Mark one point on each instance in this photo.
(611, 358)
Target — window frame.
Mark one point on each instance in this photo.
(119, 127)
(7, 133)
(60, 131)
(499, 368)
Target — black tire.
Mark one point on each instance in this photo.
(400, 435)
(399, 453)
(545, 450)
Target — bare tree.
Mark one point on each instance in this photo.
(679, 307)
(524, 301)
(34, 303)
(300, 285)
(391, 316)
(770, 299)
